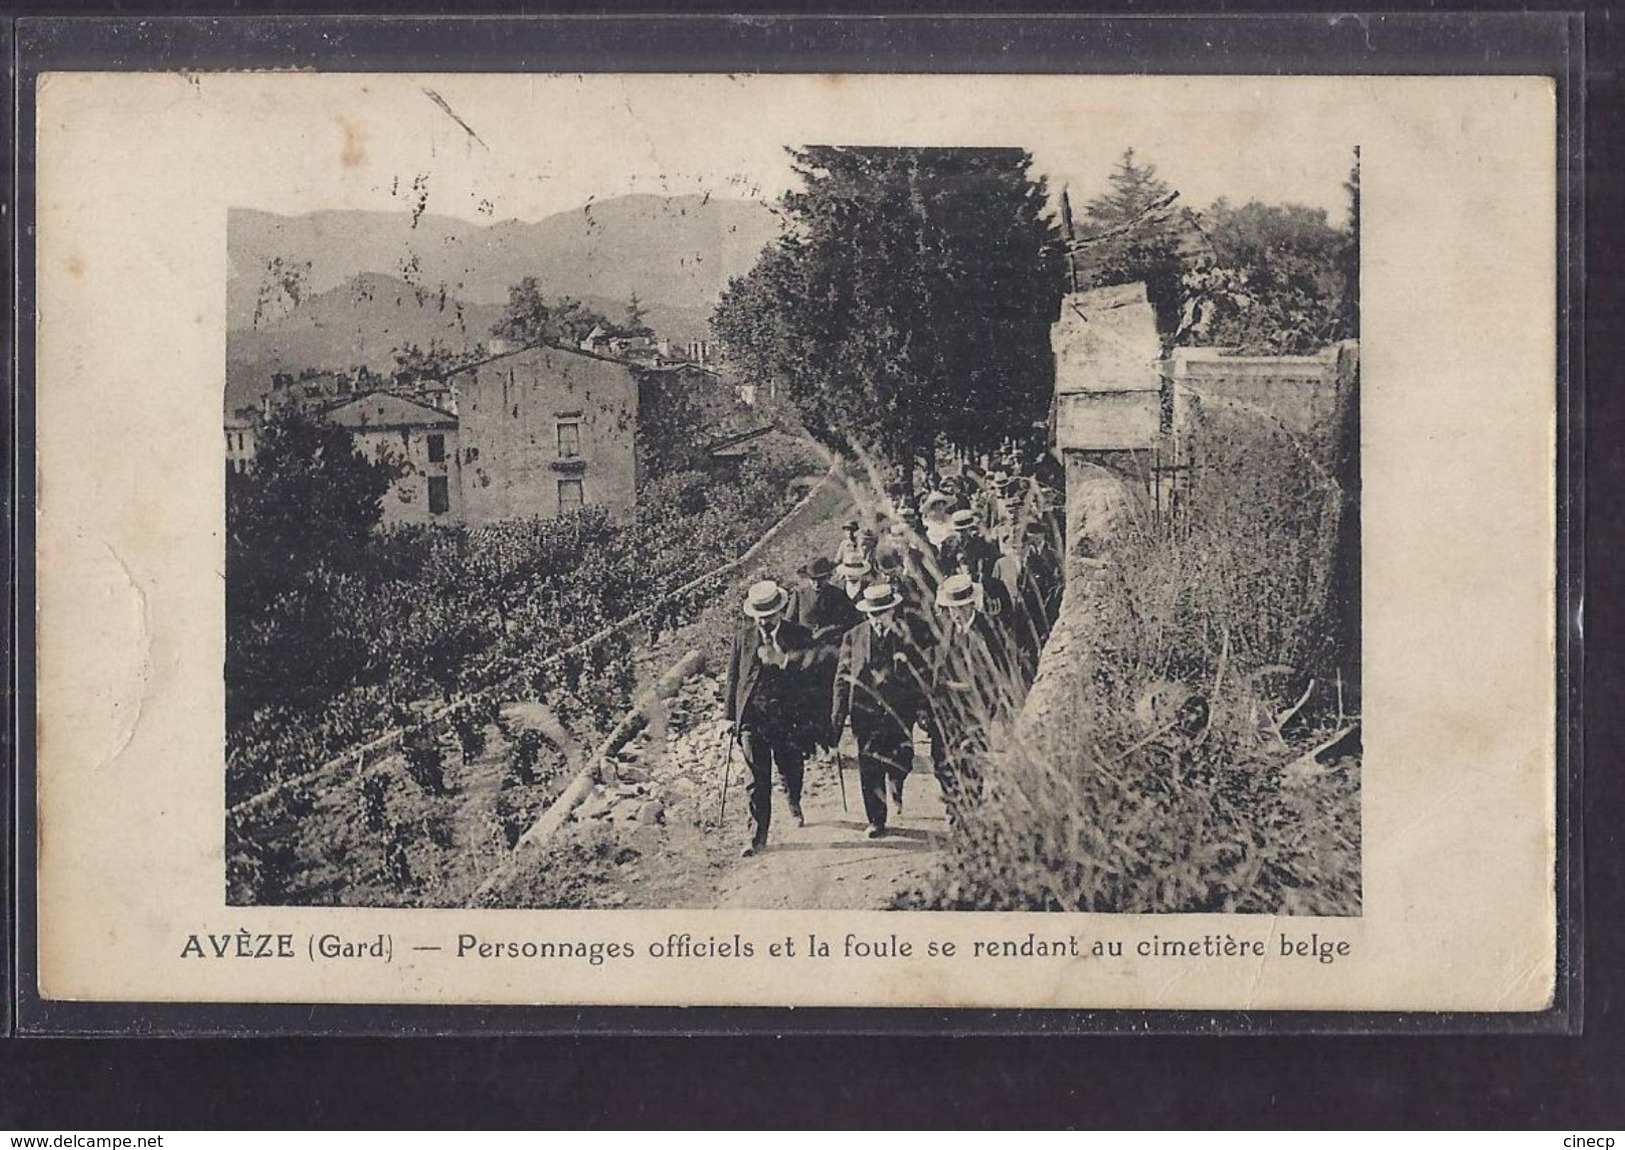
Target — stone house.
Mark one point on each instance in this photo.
(535, 431)
(544, 430)
(420, 441)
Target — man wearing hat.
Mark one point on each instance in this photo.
(970, 551)
(822, 607)
(851, 552)
(972, 687)
(879, 685)
(767, 685)
(1040, 581)
(851, 577)
(916, 585)
(898, 568)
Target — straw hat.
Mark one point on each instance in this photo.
(765, 599)
(879, 597)
(958, 591)
(965, 520)
(853, 570)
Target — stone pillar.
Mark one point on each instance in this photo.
(1108, 406)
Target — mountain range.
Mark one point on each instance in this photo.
(366, 283)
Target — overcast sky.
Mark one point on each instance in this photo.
(535, 145)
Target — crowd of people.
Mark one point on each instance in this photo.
(931, 613)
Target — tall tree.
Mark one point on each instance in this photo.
(634, 324)
(1129, 236)
(528, 319)
(532, 318)
(911, 298)
(1133, 189)
(1278, 285)
(297, 528)
(573, 321)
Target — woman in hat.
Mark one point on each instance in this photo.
(935, 516)
(764, 701)
(879, 686)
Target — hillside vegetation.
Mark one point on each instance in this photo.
(410, 619)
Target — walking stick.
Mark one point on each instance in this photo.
(840, 775)
(727, 762)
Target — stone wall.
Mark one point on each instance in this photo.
(407, 500)
(1300, 391)
(1119, 408)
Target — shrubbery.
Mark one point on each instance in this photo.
(435, 611)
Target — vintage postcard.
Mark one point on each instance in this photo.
(797, 540)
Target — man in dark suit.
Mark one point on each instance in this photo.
(823, 608)
(879, 685)
(1040, 584)
(827, 612)
(766, 703)
(972, 551)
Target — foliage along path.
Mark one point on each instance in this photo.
(654, 840)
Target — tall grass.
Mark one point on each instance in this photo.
(1160, 762)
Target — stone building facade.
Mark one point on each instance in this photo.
(420, 441)
(242, 440)
(544, 430)
(536, 431)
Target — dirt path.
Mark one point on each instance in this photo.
(829, 864)
(689, 860)
(690, 857)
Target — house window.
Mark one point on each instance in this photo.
(439, 495)
(570, 495)
(569, 440)
(437, 449)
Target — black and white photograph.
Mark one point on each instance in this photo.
(759, 521)
(561, 540)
